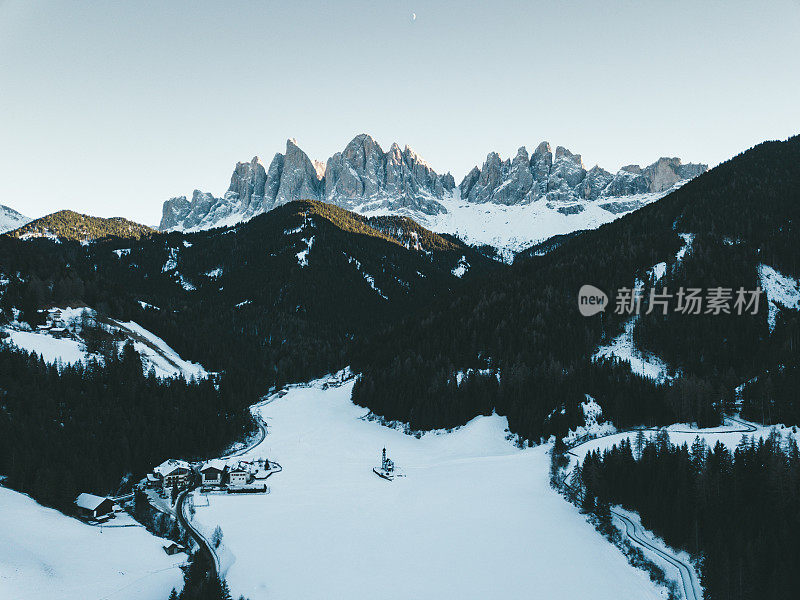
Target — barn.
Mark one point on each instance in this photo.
(174, 548)
(93, 507)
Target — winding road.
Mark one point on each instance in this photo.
(198, 537)
(636, 533)
(262, 433)
(195, 534)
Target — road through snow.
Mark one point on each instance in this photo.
(690, 582)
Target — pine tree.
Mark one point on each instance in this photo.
(216, 537)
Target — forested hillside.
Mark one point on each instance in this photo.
(69, 225)
(523, 324)
(280, 297)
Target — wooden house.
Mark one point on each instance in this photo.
(238, 477)
(173, 548)
(213, 472)
(93, 507)
(173, 472)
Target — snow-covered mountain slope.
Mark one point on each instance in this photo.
(782, 292)
(624, 349)
(71, 347)
(507, 204)
(471, 516)
(512, 228)
(44, 554)
(11, 219)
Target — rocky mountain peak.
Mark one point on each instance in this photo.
(561, 178)
(363, 177)
(564, 154)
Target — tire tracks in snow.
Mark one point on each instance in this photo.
(688, 576)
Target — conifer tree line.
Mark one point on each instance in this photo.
(98, 428)
(737, 513)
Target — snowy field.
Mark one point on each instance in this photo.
(45, 555)
(471, 517)
(52, 350)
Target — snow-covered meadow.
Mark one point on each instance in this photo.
(156, 353)
(44, 554)
(471, 516)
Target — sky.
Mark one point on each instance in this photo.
(111, 108)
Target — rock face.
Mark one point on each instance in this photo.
(563, 178)
(362, 174)
(365, 178)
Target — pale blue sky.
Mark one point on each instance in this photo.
(111, 109)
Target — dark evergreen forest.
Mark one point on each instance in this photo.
(92, 428)
(737, 512)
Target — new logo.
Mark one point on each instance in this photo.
(591, 300)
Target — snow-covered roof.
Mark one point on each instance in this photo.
(171, 465)
(214, 464)
(89, 501)
(174, 545)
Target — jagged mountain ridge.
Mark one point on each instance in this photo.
(363, 172)
(365, 179)
(563, 178)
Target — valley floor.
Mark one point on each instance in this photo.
(471, 516)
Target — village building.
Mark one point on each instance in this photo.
(173, 548)
(173, 473)
(213, 472)
(54, 322)
(93, 507)
(238, 477)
